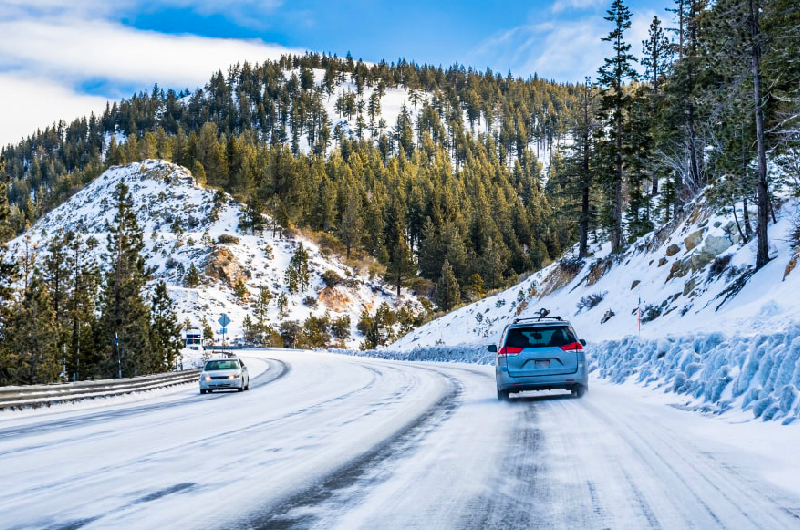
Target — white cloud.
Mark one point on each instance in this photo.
(80, 49)
(556, 49)
(35, 103)
(561, 5)
(62, 53)
(248, 10)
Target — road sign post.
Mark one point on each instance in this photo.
(224, 320)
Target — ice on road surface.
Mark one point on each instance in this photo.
(332, 441)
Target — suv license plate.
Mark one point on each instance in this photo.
(543, 363)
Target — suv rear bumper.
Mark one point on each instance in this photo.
(543, 382)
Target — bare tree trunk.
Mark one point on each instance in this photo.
(585, 180)
(748, 230)
(762, 256)
(738, 226)
(616, 234)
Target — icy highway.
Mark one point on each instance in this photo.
(336, 442)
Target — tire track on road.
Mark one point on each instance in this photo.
(266, 377)
(352, 480)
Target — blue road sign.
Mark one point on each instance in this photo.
(224, 320)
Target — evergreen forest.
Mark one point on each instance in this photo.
(452, 199)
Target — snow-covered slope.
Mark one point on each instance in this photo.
(165, 196)
(711, 329)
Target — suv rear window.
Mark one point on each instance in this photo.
(540, 337)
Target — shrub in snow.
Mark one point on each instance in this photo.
(651, 312)
(590, 301)
(331, 279)
(310, 301)
(719, 265)
(227, 239)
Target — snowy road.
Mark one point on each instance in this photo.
(328, 441)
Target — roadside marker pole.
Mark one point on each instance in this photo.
(639, 315)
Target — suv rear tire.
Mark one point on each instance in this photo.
(578, 391)
(503, 395)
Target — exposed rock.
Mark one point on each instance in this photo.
(662, 262)
(673, 249)
(680, 268)
(713, 247)
(635, 283)
(689, 286)
(222, 265)
(598, 270)
(334, 299)
(559, 277)
(693, 239)
(791, 265)
(607, 316)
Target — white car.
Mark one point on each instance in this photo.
(226, 373)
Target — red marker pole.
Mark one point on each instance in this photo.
(639, 316)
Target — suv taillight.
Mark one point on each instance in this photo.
(572, 346)
(508, 350)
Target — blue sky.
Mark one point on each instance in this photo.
(63, 58)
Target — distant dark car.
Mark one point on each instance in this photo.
(219, 374)
(540, 354)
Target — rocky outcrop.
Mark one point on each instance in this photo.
(714, 245)
(334, 299)
(693, 239)
(598, 269)
(223, 266)
(673, 249)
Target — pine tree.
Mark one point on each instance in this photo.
(400, 266)
(192, 276)
(165, 331)
(656, 60)
(85, 357)
(124, 314)
(208, 333)
(448, 294)
(240, 289)
(614, 104)
(262, 304)
(297, 275)
(32, 336)
(351, 230)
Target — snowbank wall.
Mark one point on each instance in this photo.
(717, 373)
(462, 354)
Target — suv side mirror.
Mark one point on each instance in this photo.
(492, 348)
(582, 341)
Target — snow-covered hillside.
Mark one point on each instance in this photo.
(182, 227)
(711, 329)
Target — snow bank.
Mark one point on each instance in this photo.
(717, 373)
(462, 354)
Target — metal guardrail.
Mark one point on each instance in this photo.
(18, 397)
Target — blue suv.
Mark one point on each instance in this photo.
(540, 353)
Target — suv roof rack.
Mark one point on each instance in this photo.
(542, 314)
(538, 319)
